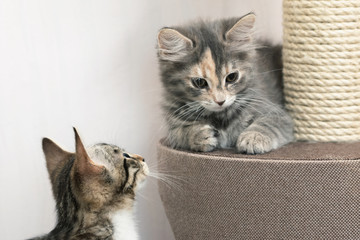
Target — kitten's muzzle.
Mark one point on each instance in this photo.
(137, 157)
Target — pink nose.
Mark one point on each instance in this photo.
(220, 103)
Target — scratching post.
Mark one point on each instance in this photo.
(321, 57)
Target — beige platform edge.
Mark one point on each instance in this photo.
(301, 191)
(321, 56)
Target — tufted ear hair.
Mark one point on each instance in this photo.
(172, 45)
(83, 164)
(241, 32)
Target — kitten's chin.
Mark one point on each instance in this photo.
(216, 109)
(141, 184)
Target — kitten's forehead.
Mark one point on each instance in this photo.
(207, 68)
(103, 152)
(105, 147)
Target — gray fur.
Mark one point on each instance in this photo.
(255, 122)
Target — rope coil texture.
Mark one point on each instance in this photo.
(321, 56)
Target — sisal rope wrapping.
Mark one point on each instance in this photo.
(321, 56)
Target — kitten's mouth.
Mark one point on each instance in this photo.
(218, 106)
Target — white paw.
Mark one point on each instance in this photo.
(204, 139)
(253, 142)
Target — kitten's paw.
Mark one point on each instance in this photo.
(204, 139)
(253, 142)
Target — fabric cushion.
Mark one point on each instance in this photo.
(301, 191)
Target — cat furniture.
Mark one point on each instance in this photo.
(301, 191)
(304, 190)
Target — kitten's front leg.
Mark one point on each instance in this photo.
(266, 133)
(255, 142)
(198, 137)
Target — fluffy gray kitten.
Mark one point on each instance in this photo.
(222, 87)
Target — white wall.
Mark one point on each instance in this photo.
(89, 64)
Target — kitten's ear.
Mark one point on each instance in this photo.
(83, 164)
(53, 154)
(241, 31)
(173, 45)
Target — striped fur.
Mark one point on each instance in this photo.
(94, 190)
(241, 105)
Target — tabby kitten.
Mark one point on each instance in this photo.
(222, 87)
(94, 190)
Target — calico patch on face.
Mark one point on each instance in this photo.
(219, 91)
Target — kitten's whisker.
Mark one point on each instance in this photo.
(180, 117)
(171, 181)
(191, 108)
(144, 197)
(199, 115)
(187, 115)
(171, 184)
(185, 105)
(274, 70)
(258, 99)
(159, 170)
(161, 174)
(169, 175)
(151, 166)
(191, 115)
(258, 105)
(171, 114)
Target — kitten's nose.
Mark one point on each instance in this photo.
(220, 103)
(138, 157)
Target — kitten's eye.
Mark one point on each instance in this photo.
(116, 151)
(126, 155)
(232, 77)
(199, 82)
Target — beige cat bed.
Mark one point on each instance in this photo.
(301, 191)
